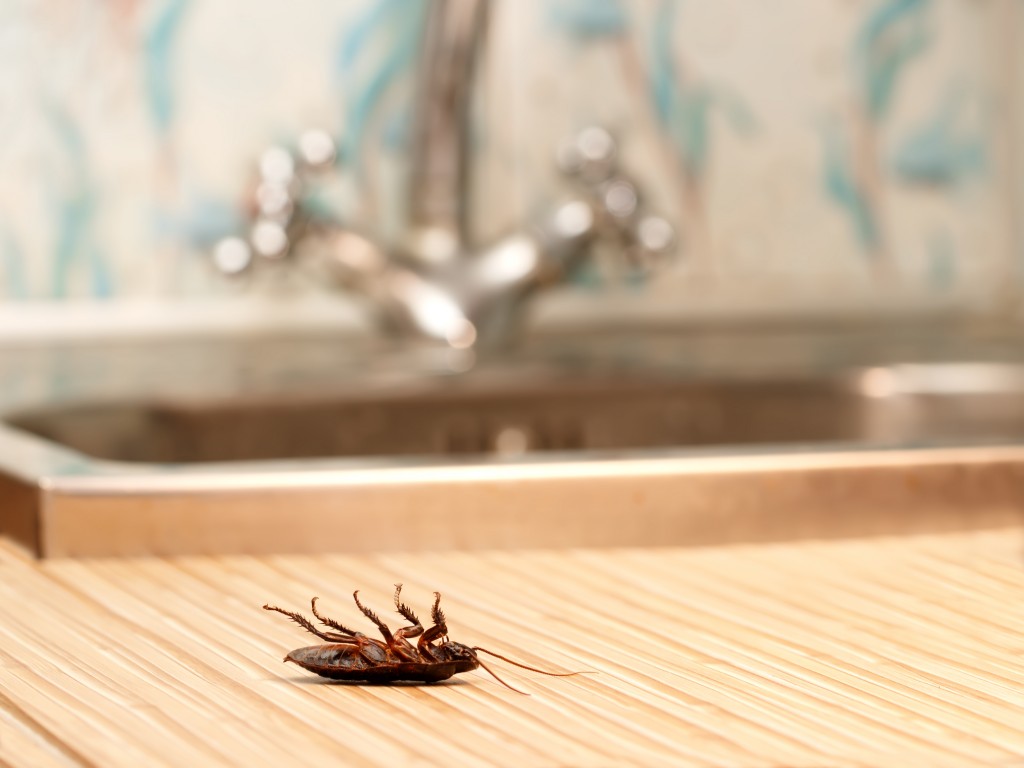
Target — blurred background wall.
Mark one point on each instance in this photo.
(841, 156)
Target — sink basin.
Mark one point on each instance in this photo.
(439, 419)
(500, 414)
(300, 448)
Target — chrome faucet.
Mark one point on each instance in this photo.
(436, 283)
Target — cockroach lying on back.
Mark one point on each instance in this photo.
(351, 655)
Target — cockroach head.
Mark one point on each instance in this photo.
(464, 657)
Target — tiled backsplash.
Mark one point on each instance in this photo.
(814, 153)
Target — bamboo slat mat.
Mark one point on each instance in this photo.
(904, 651)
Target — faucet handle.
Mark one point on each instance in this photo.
(275, 203)
(652, 244)
(647, 240)
(590, 156)
(591, 159)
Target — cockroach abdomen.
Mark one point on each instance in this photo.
(325, 656)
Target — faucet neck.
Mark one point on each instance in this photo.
(439, 175)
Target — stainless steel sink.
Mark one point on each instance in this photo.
(505, 413)
(312, 446)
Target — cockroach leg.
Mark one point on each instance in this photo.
(438, 615)
(307, 625)
(332, 623)
(436, 632)
(426, 639)
(385, 632)
(416, 627)
(396, 642)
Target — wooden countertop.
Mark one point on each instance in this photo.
(896, 651)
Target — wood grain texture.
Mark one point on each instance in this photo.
(892, 651)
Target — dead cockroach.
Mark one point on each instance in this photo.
(351, 655)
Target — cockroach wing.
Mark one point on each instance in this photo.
(331, 656)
